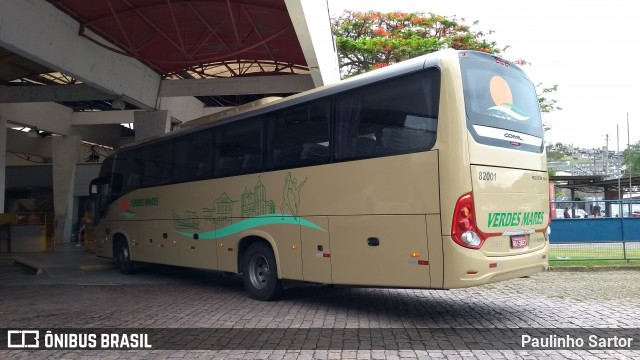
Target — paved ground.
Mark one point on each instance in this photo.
(321, 321)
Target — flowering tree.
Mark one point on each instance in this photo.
(372, 39)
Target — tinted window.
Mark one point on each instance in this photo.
(299, 136)
(391, 117)
(157, 163)
(127, 174)
(107, 166)
(194, 156)
(240, 148)
(498, 95)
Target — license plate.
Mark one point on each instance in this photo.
(518, 241)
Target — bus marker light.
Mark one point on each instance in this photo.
(493, 265)
(294, 247)
(221, 245)
(423, 262)
(326, 255)
(471, 272)
(415, 254)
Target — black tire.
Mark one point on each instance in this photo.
(260, 274)
(123, 258)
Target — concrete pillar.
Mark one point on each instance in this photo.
(149, 124)
(3, 160)
(313, 27)
(66, 154)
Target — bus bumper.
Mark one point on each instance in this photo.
(469, 267)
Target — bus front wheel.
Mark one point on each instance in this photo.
(259, 273)
(123, 258)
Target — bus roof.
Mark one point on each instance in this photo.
(398, 69)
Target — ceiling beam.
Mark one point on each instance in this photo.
(102, 117)
(46, 116)
(274, 84)
(52, 93)
(312, 24)
(38, 31)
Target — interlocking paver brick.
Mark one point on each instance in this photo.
(394, 319)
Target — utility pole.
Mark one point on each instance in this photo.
(606, 156)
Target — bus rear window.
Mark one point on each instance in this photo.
(501, 103)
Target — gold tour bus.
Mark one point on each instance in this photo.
(428, 174)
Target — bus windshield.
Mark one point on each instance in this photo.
(499, 96)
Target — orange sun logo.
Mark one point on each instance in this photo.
(503, 98)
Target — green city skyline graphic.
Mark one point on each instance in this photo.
(255, 209)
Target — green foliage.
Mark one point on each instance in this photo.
(631, 159)
(546, 103)
(370, 40)
(557, 152)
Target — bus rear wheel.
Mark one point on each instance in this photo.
(123, 258)
(259, 273)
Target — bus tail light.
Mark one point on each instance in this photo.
(464, 230)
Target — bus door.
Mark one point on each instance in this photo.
(99, 190)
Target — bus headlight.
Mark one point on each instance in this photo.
(470, 238)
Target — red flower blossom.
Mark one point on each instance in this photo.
(381, 32)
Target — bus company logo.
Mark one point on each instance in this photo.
(503, 219)
(125, 208)
(126, 205)
(503, 99)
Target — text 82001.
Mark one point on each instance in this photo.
(487, 176)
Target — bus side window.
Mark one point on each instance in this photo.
(193, 156)
(251, 163)
(299, 136)
(240, 150)
(129, 169)
(373, 121)
(407, 138)
(365, 146)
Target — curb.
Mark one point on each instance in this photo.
(594, 268)
(37, 269)
(31, 266)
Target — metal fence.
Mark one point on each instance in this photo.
(595, 230)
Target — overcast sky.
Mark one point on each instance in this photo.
(588, 48)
